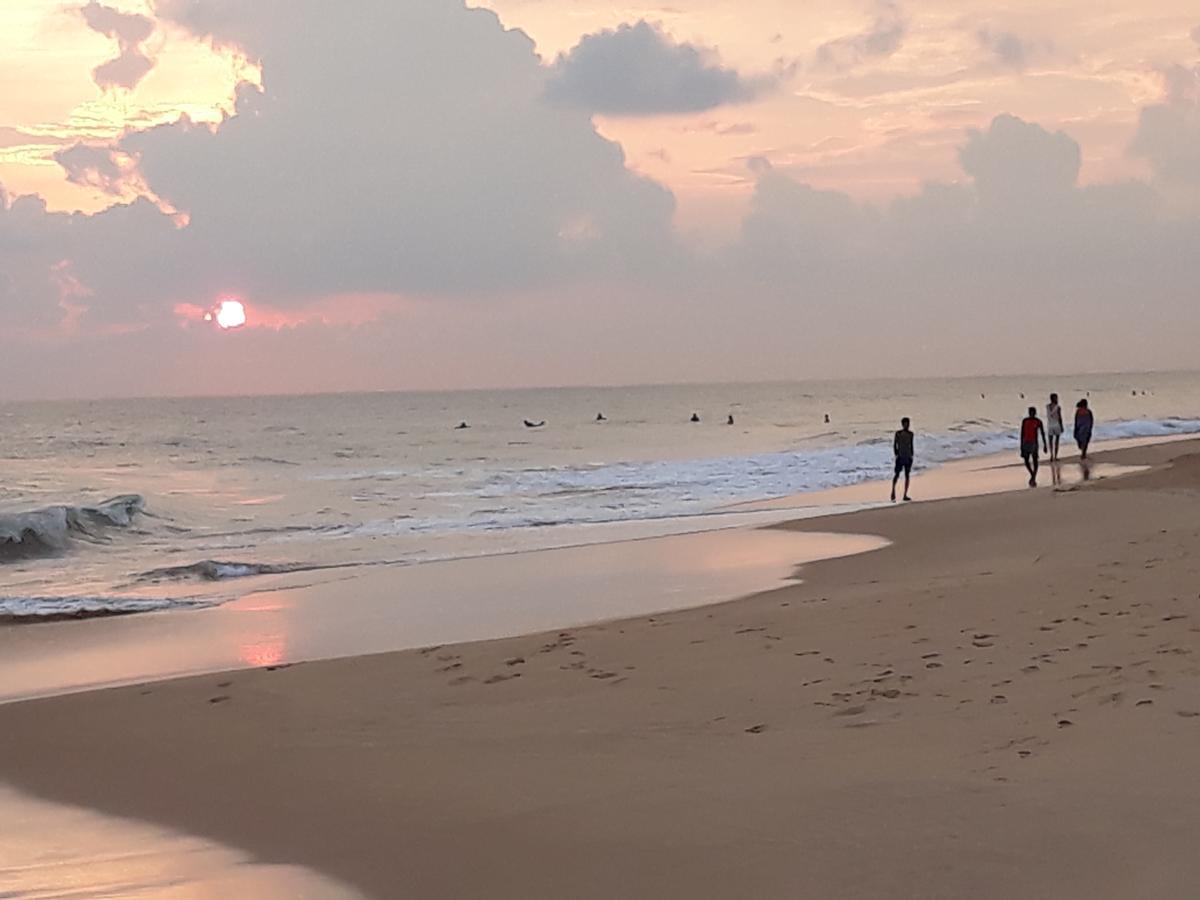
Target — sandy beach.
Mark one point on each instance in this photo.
(1003, 702)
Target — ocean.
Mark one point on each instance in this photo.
(118, 505)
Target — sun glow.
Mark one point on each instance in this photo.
(228, 314)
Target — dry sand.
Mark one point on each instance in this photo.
(1005, 703)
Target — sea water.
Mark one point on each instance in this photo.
(122, 505)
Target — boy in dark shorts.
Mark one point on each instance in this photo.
(1031, 432)
(902, 446)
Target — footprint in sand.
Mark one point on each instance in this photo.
(496, 679)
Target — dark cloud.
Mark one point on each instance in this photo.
(1005, 46)
(1168, 133)
(1020, 166)
(92, 166)
(639, 70)
(883, 38)
(130, 31)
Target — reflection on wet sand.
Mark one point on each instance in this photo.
(48, 850)
(398, 607)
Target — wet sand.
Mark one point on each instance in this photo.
(1004, 702)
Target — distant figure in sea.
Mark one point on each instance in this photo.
(730, 422)
(460, 426)
(1031, 432)
(600, 417)
(695, 417)
(826, 418)
(529, 424)
(902, 447)
(1054, 425)
(1083, 427)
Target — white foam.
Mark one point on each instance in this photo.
(34, 608)
(633, 491)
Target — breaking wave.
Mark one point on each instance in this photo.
(29, 610)
(51, 530)
(214, 570)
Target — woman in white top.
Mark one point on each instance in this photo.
(1054, 425)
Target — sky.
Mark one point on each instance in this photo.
(429, 195)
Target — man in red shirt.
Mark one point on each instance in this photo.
(1031, 432)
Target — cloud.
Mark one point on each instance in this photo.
(883, 38)
(1168, 133)
(640, 70)
(1008, 48)
(1196, 34)
(364, 166)
(130, 31)
(395, 217)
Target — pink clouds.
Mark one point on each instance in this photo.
(130, 32)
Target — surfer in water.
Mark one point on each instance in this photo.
(529, 424)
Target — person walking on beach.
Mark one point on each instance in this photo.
(1031, 432)
(902, 447)
(1083, 427)
(1054, 425)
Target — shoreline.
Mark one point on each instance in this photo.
(1005, 701)
(312, 614)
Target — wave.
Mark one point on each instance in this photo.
(50, 531)
(28, 610)
(214, 570)
(662, 489)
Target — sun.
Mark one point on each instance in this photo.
(230, 314)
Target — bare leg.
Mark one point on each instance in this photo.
(895, 478)
(906, 478)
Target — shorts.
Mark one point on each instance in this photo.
(904, 464)
(1028, 450)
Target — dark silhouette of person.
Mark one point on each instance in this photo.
(826, 418)
(1084, 420)
(902, 447)
(529, 424)
(600, 417)
(730, 420)
(695, 417)
(1032, 432)
(460, 426)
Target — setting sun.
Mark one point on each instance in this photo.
(231, 314)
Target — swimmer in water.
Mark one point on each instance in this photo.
(529, 424)
(600, 417)
(730, 422)
(695, 417)
(460, 426)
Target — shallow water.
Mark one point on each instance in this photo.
(50, 851)
(237, 488)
